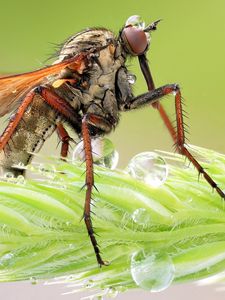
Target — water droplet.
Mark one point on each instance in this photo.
(8, 175)
(90, 284)
(103, 151)
(141, 216)
(131, 78)
(70, 278)
(135, 21)
(71, 246)
(189, 200)
(148, 167)
(20, 179)
(6, 259)
(112, 292)
(33, 280)
(20, 165)
(48, 170)
(154, 272)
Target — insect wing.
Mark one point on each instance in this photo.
(14, 87)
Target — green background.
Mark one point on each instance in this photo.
(188, 48)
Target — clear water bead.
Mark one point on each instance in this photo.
(148, 167)
(20, 179)
(131, 78)
(103, 151)
(154, 272)
(135, 21)
(6, 259)
(9, 175)
(90, 284)
(33, 280)
(112, 292)
(141, 216)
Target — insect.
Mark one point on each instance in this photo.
(86, 88)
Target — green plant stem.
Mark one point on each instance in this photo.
(42, 234)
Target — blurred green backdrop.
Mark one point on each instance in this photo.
(188, 48)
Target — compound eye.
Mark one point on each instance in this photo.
(135, 39)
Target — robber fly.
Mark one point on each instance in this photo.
(86, 87)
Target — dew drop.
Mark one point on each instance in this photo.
(131, 78)
(154, 272)
(48, 170)
(71, 246)
(148, 167)
(135, 21)
(112, 292)
(20, 179)
(70, 278)
(141, 216)
(20, 165)
(41, 168)
(33, 280)
(4, 226)
(9, 175)
(103, 151)
(6, 259)
(90, 284)
(189, 200)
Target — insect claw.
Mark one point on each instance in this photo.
(103, 263)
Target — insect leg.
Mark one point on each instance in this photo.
(98, 122)
(180, 143)
(152, 97)
(5, 137)
(151, 86)
(64, 138)
(60, 105)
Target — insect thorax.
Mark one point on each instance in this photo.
(98, 92)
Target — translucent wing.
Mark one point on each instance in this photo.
(12, 88)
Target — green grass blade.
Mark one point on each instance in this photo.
(180, 229)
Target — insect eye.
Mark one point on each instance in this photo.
(135, 39)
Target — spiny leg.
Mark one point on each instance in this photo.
(178, 137)
(180, 143)
(100, 123)
(153, 97)
(65, 139)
